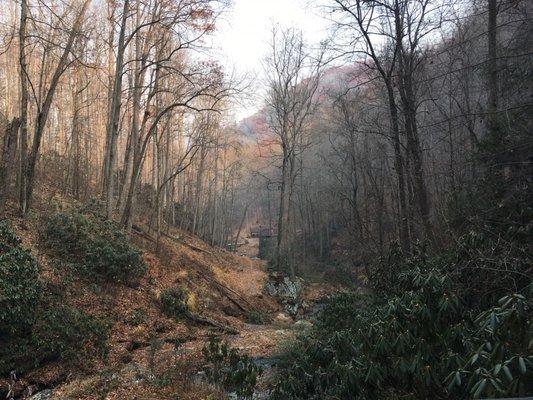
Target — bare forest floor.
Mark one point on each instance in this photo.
(152, 356)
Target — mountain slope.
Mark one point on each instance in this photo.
(151, 355)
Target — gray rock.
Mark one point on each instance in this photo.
(271, 288)
(303, 325)
(291, 288)
(199, 378)
(284, 288)
(282, 320)
(42, 395)
(291, 308)
(261, 395)
(287, 291)
(265, 362)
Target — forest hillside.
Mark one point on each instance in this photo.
(107, 315)
(249, 199)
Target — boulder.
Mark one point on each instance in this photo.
(282, 320)
(303, 325)
(286, 290)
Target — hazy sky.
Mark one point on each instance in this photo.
(244, 32)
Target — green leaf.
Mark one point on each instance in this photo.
(508, 373)
(493, 321)
(522, 365)
(458, 378)
(496, 385)
(480, 388)
(497, 369)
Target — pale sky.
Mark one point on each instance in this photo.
(243, 34)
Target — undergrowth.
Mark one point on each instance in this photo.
(256, 318)
(173, 303)
(422, 335)
(226, 366)
(91, 246)
(36, 326)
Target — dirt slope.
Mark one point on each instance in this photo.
(152, 356)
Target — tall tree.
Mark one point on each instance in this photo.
(23, 104)
(293, 76)
(9, 130)
(492, 68)
(43, 109)
(114, 115)
(364, 20)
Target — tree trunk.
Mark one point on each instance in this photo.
(23, 105)
(405, 240)
(42, 115)
(407, 95)
(243, 218)
(114, 114)
(198, 189)
(8, 155)
(492, 77)
(111, 7)
(281, 251)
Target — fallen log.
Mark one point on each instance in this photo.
(183, 242)
(211, 322)
(229, 293)
(136, 229)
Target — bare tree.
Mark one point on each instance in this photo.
(23, 104)
(368, 30)
(44, 101)
(10, 135)
(293, 76)
(114, 113)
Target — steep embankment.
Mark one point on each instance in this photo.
(151, 355)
